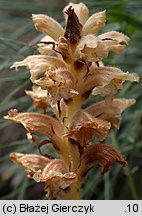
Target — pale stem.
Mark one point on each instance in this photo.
(70, 151)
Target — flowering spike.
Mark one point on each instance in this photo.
(68, 69)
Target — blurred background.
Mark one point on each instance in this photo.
(17, 34)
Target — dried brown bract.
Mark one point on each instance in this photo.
(73, 28)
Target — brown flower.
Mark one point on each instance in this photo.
(106, 81)
(59, 83)
(56, 78)
(48, 25)
(36, 122)
(102, 154)
(110, 112)
(39, 64)
(53, 172)
(83, 127)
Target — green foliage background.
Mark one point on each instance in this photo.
(17, 34)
